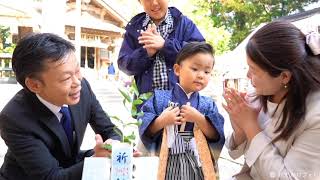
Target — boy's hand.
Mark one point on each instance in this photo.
(170, 116)
(190, 114)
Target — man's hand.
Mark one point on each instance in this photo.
(99, 151)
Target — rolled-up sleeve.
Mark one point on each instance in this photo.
(257, 146)
(235, 151)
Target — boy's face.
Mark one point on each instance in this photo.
(156, 9)
(195, 71)
(60, 82)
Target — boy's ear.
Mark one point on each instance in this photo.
(176, 68)
(33, 84)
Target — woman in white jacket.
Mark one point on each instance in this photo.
(279, 138)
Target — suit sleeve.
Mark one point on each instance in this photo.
(99, 120)
(33, 155)
(133, 60)
(172, 45)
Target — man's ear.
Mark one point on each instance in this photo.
(34, 85)
(286, 76)
(176, 68)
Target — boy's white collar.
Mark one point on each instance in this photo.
(189, 94)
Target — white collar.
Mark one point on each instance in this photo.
(53, 108)
(189, 94)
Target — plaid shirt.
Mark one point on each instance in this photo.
(160, 76)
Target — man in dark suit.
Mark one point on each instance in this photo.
(44, 141)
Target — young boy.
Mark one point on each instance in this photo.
(152, 42)
(44, 123)
(182, 121)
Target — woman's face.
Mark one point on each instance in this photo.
(265, 84)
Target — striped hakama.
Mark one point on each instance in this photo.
(182, 162)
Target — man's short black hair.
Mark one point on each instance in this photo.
(31, 53)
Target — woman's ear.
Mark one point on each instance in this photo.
(176, 68)
(286, 76)
(33, 85)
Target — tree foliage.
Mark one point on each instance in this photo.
(218, 37)
(239, 17)
(4, 35)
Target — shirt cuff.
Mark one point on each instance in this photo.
(256, 147)
(235, 152)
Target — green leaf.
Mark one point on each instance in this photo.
(134, 123)
(107, 147)
(130, 138)
(135, 88)
(116, 130)
(117, 118)
(145, 96)
(125, 95)
(134, 111)
(134, 114)
(126, 140)
(124, 102)
(137, 102)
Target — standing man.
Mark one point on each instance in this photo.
(44, 123)
(151, 43)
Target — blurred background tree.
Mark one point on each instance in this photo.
(240, 17)
(4, 34)
(218, 37)
(5, 47)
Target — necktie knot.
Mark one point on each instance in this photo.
(66, 122)
(64, 110)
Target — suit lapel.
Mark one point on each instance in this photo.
(53, 124)
(50, 121)
(75, 114)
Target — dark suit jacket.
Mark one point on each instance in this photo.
(37, 145)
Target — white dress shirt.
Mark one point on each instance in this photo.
(53, 108)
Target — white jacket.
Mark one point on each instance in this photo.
(297, 158)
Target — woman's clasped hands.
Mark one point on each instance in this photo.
(243, 117)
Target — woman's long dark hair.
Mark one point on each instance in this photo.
(280, 46)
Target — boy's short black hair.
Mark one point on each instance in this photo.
(193, 48)
(31, 53)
